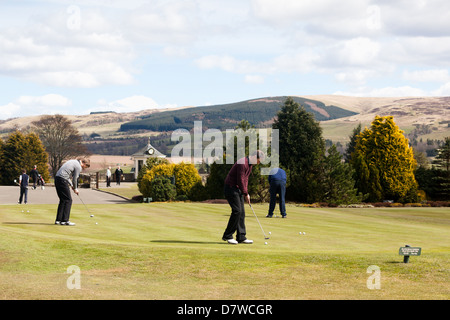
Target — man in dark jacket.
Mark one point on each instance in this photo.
(118, 173)
(34, 174)
(23, 182)
(236, 193)
(277, 182)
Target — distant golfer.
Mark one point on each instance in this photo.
(236, 193)
(23, 182)
(108, 177)
(34, 174)
(67, 176)
(118, 173)
(277, 181)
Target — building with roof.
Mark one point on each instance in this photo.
(142, 155)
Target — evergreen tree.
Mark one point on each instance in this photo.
(22, 152)
(301, 149)
(337, 180)
(384, 163)
(351, 145)
(442, 159)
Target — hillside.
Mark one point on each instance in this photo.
(123, 133)
(259, 112)
(429, 117)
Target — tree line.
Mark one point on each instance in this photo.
(378, 164)
(47, 143)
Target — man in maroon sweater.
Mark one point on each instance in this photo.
(236, 193)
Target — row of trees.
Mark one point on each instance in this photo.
(378, 165)
(47, 143)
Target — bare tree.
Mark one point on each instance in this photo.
(60, 139)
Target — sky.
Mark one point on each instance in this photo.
(75, 57)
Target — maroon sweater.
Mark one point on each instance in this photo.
(238, 175)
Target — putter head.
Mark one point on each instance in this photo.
(267, 238)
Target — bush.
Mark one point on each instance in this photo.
(186, 176)
(162, 189)
(198, 192)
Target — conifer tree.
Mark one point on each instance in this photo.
(384, 162)
(22, 152)
(337, 180)
(301, 150)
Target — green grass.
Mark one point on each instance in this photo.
(175, 251)
(128, 190)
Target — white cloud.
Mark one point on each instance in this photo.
(254, 79)
(9, 110)
(442, 91)
(35, 105)
(434, 75)
(403, 91)
(48, 52)
(130, 104)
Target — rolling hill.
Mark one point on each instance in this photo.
(259, 112)
(423, 117)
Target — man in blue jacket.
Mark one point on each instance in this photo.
(277, 181)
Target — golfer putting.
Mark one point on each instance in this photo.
(236, 193)
(66, 177)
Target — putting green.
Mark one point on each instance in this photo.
(175, 251)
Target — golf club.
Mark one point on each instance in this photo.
(84, 205)
(265, 237)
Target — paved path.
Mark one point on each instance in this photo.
(10, 195)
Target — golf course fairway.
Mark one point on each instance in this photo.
(175, 251)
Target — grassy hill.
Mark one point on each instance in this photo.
(259, 112)
(425, 118)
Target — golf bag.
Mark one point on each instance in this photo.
(41, 182)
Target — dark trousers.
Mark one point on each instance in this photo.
(277, 187)
(23, 192)
(236, 223)
(65, 199)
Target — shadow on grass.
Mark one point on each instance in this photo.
(184, 241)
(31, 223)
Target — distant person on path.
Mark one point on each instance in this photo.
(118, 173)
(34, 174)
(66, 177)
(108, 177)
(23, 182)
(236, 184)
(277, 181)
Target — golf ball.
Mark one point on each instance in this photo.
(96, 223)
(92, 215)
(270, 232)
(265, 243)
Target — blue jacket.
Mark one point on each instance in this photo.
(277, 174)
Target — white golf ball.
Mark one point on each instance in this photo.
(304, 232)
(265, 243)
(270, 232)
(96, 223)
(92, 215)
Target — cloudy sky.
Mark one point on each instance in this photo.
(74, 57)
